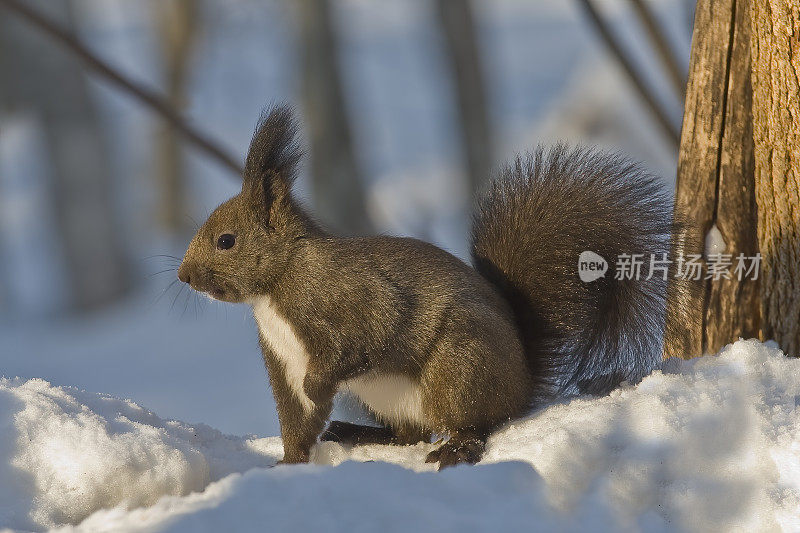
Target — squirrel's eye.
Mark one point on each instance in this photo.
(225, 241)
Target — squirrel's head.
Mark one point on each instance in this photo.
(247, 242)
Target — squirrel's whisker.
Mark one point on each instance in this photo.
(173, 269)
(163, 292)
(172, 305)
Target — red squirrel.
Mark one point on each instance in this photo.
(429, 344)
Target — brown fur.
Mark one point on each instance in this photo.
(377, 304)
(480, 346)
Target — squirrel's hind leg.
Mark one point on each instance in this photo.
(357, 434)
(347, 433)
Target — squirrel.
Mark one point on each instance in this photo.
(429, 344)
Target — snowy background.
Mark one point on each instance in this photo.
(89, 401)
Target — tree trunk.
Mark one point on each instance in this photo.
(336, 181)
(176, 22)
(714, 185)
(775, 45)
(461, 43)
(50, 83)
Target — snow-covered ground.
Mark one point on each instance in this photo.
(711, 444)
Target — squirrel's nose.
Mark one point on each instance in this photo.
(183, 274)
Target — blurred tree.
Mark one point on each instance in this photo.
(65, 37)
(176, 22)
(461, 43)
(4, 276)
(688, 8)
(638, 81)
(336, 180)
(660, 43)
(48, 82)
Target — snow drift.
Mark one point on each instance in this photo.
(707, 444)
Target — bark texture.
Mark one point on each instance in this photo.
(775, 48)
(732, 308)
(715, 185)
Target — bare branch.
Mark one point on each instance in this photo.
(659, 40)
(614, 46)
(146, 96)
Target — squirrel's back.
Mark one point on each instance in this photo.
(539, 215)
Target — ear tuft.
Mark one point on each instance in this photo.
(274, 150)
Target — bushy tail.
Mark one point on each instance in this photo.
(539, 215)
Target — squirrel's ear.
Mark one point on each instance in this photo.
(272, 161)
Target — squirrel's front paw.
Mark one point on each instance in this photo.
(457, 450)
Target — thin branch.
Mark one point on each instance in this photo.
(146, 96)
(661, 45)
(669, 129)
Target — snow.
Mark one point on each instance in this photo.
(66, 453)
(706, 444)
(715, 242)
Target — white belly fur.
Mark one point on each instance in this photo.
(393, 397)
(286, 346)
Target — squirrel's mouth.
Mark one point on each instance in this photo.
(212, 290)
(223, 295)
(215, 289)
